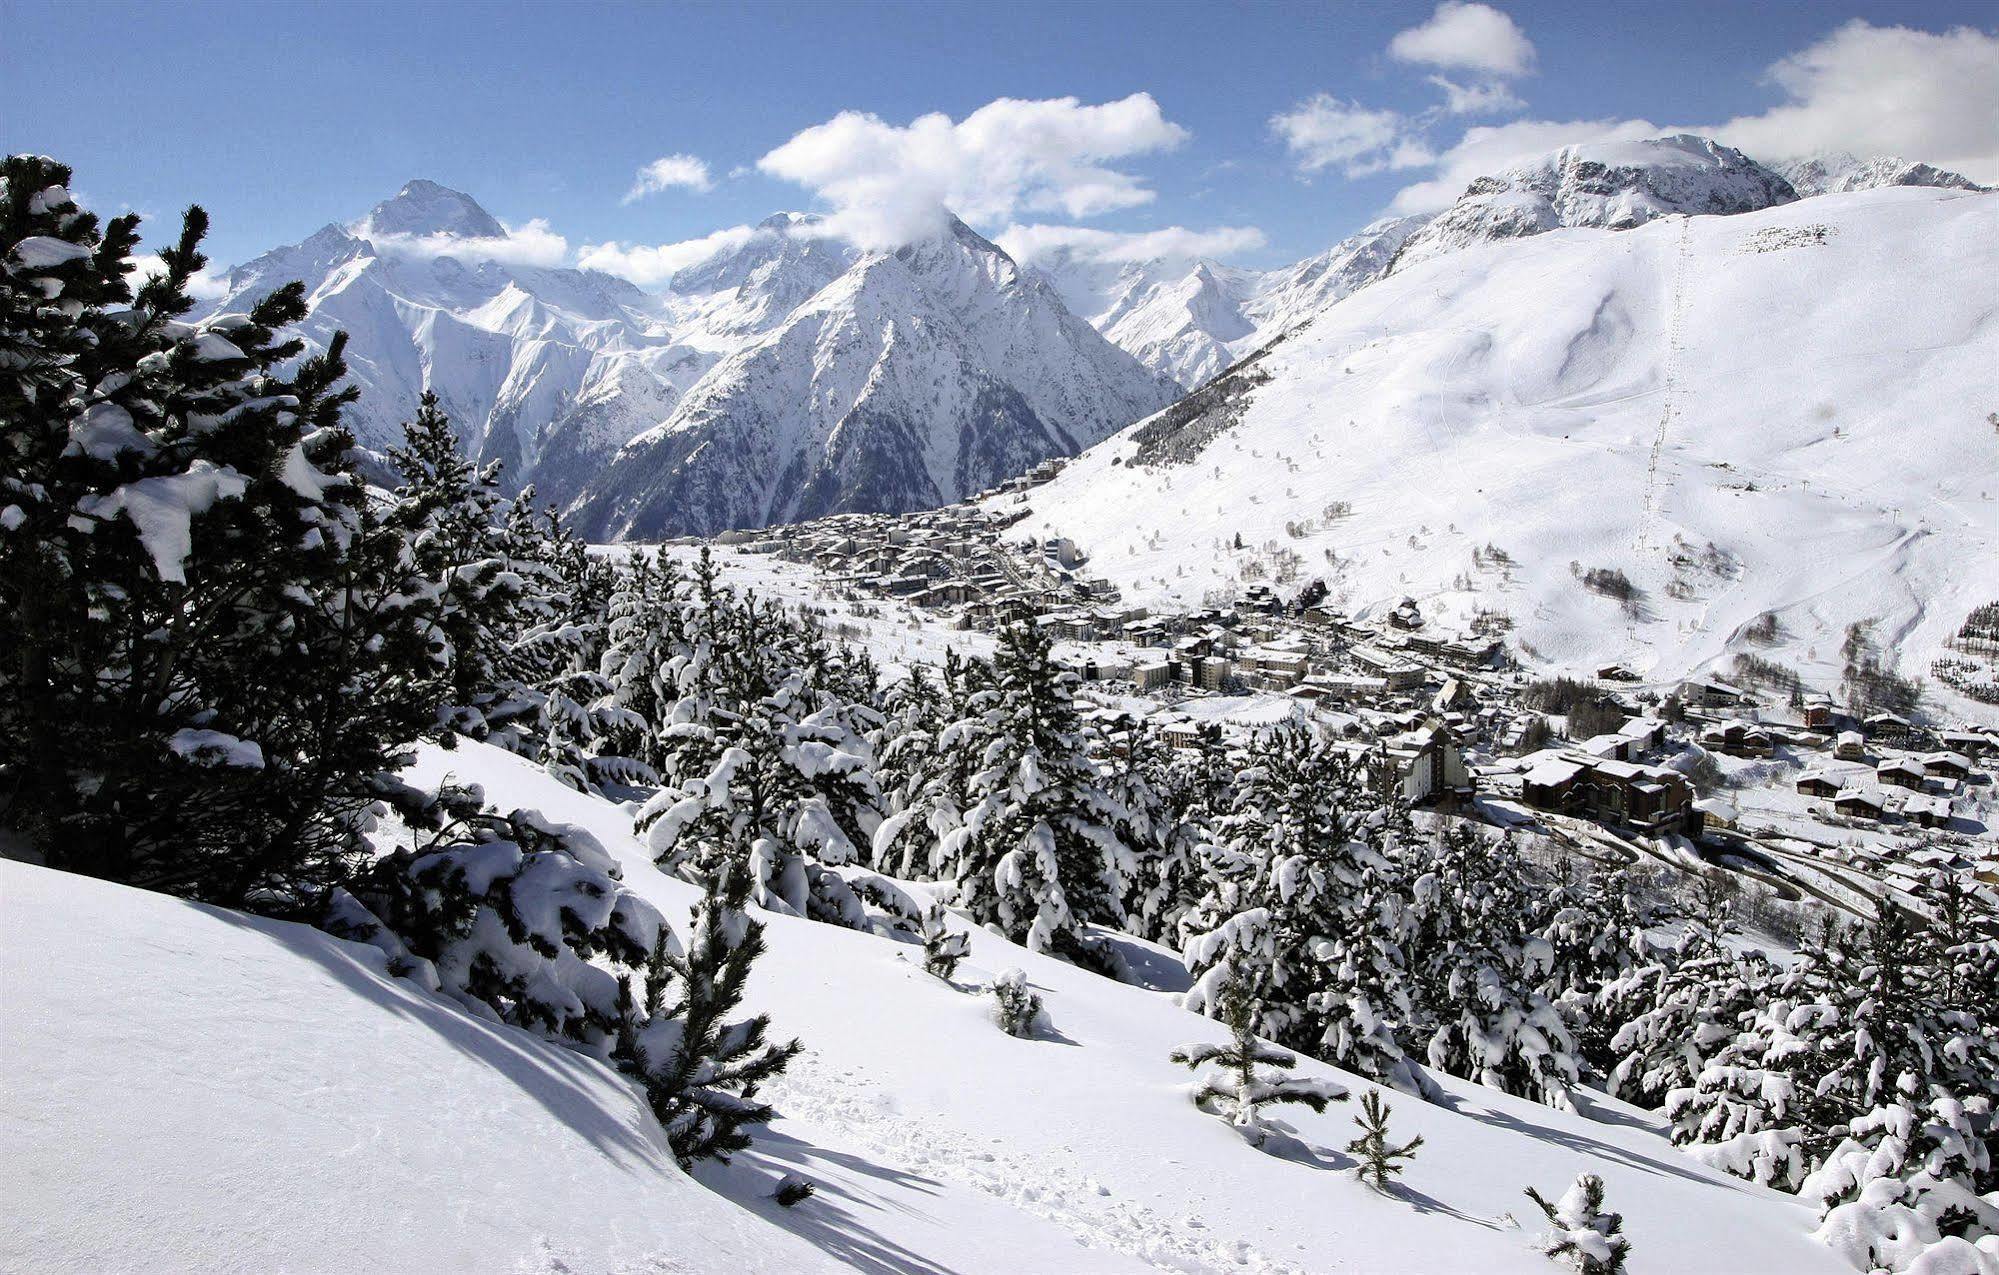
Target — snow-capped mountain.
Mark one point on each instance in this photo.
(1612, 185)
(546, 369)
(916, 377)
(1190, 322)
(1480, 428)
(1839, 173)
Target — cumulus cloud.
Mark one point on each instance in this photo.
(204, 286)
(667, 172)
(1322, 131)
(1923, 95)
(1466, 37)
(1033, 244)
(652, 265)
(889, 184)
(1486, 98)
(530, 244)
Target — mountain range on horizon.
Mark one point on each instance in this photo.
(789, 375)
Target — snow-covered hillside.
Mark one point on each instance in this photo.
(915, 378)
(1780, 411)
(232, 1094)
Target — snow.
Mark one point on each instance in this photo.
(243, 1095)
(1612, 399)
(216, 748)
(46, 252)
(163, 508)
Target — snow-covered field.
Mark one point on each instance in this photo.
(1784, 410)
(189, 1089)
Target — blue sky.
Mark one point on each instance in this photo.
(1288, 125)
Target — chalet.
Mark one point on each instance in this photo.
(1712, 693)
(1716, 813)
(1930, 812)
(1967, 743)
(1860, 803)
(1648, 799)
(1889, 727)
(1182, 734)
(1818, 713)
(1947, 766)
(1901, 772)
(1645, 732)
(1850, 745)
(1615, 673)
(1269, 668)
(1817, 783)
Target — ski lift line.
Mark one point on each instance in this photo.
(1675, 312)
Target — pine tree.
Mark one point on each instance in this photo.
(215, 645)
(1016, 1007)
(519, 919)
(1585, 1236)
(1380, 1159)
(1037, 854)
(701, 1072)
(1478, 974)
(1239, 1093)
(1306, 908)
(943, 947)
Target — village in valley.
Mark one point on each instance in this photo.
(1799, 796)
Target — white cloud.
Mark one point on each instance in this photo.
(1488, 149)
(204, 286)
(531, 244)
(1480, 98)
(1036, 243)
(655, 264)
(1323, 131)
(890, 184)
(1923, 95)
(666, 172)
(1471, 37)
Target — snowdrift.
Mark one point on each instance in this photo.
(187, 1089)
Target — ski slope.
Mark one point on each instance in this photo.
(1783, 410)
(187, 1089)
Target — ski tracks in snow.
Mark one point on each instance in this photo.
(1050, 1186)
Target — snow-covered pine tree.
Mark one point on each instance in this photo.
(213, 646)
(1380, 1159)
(1240, 1091)
(928, 749)
(790, 793)
(520, 920)
(1478, 974)
(943, 947)
(1583, 1234)
(1016, 1006)
(449, 511)
(1595, 928)
(1306, 909)
(1669, 1017)
(702, 1072)
(1037, 855)
(1176, 795)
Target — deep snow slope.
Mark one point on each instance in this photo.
(915, 378)
(1783, 410)
(189, 1089)
(186, 1089)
